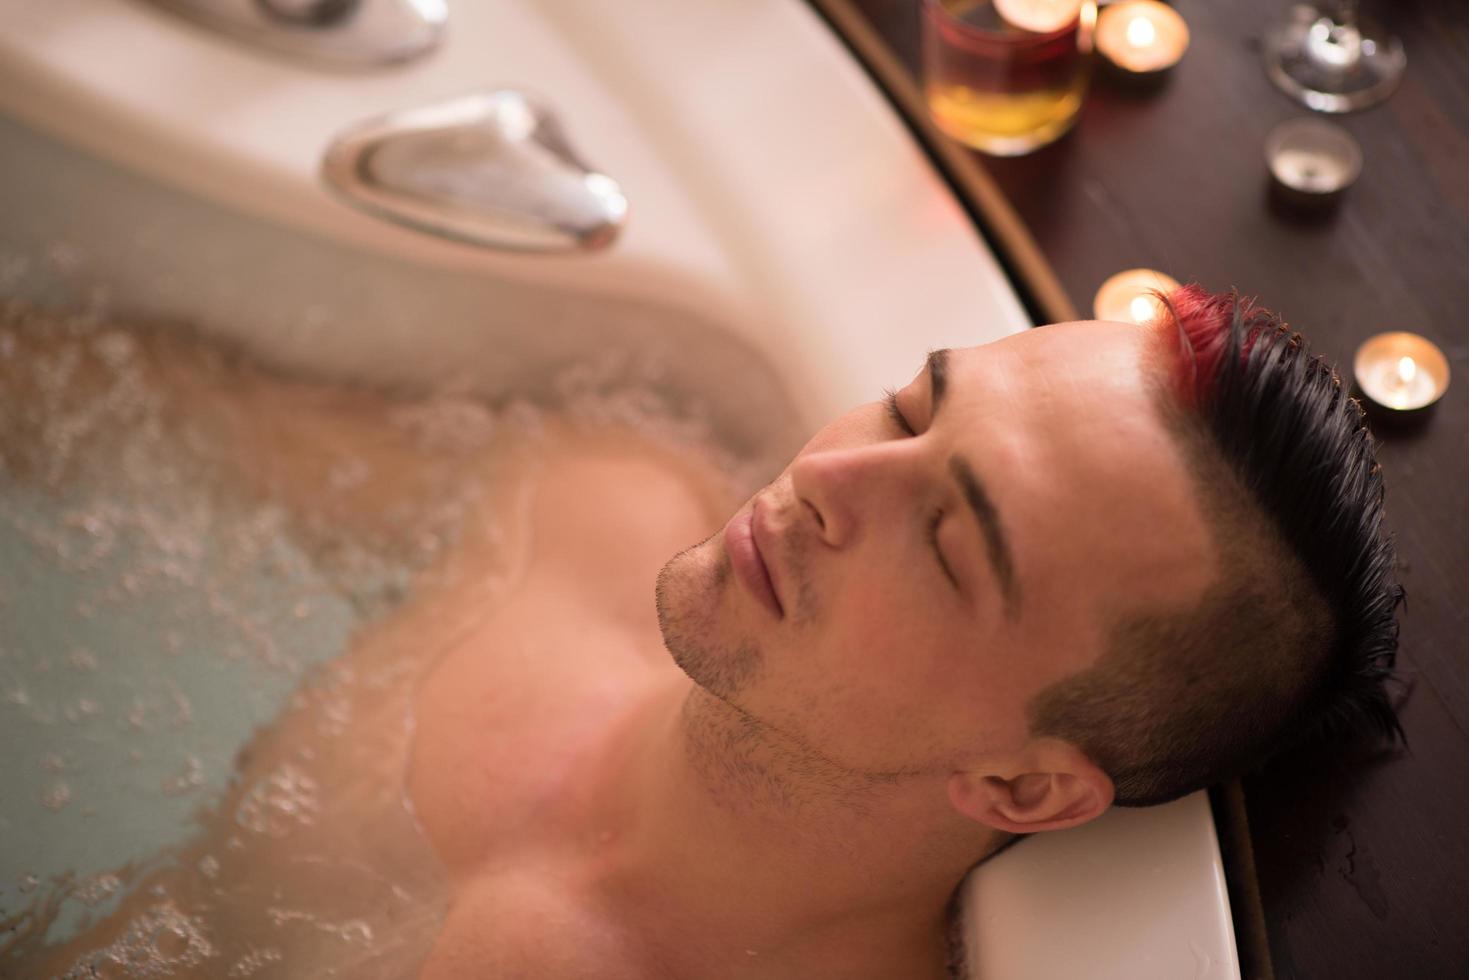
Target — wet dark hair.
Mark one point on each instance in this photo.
(1297, 637)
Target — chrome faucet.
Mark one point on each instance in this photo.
(332, 33)
(493, 169)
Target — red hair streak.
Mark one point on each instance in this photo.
(1202, 321)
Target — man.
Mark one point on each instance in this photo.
(1085, 565)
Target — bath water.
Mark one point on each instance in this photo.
(194, 779)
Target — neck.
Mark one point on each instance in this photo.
(751, 854)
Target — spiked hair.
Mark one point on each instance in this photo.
(1298, 635)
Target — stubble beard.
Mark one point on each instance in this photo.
(689, 595)
(746, 760)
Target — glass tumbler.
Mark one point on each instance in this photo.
(1006, 76)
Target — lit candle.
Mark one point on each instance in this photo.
(1401, 371)
(1128, 297)
(1039, 16)
(1141, 37)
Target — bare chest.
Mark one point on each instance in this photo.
(511, 729)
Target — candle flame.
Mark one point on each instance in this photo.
(1407, 370)
(1141, 32)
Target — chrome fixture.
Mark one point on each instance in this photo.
(309, 13)
(491, 169)
(334, 33)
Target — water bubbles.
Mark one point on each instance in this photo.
(279, 916)
(82, 660)
(84, 709)
(279, 803)
(65, 257)
(187, 781)
(97, 889)
(56, 796)
(336, 714)
(349, 931)
(183, 708)
(136, 716)
(115, 348)
(222, 533)
(159, 943)
(448, 423)
(253, 961)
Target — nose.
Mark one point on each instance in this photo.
(844, 492)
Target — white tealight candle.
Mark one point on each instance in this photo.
(1311, 160)
(1141, 37)
(1401, 371)
(1129, 296)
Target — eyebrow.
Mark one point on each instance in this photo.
(996, 544)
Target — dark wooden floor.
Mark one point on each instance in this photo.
(1363, 857)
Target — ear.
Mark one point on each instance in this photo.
(1050, 786)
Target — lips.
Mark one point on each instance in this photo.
(749, 565)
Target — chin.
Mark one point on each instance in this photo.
(694, 617)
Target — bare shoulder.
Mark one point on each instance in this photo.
(614, 506)
(528, 926)
(625, 469)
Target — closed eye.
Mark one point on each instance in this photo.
(933, 542)
(890, 402)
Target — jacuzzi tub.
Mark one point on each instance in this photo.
(787, 242)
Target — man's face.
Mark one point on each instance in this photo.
(924, 584)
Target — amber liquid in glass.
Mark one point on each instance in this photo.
(997, 88)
